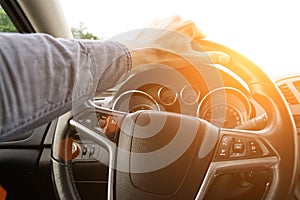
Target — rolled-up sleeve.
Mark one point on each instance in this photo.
(43, 77)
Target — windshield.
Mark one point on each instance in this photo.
(265, 31)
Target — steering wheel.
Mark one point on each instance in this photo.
(139, 169)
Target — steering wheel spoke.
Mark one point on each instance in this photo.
(242, 145)
(238, 151)
(102, 127)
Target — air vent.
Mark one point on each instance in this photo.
(297, 85)
(288, 94)
(297, 122)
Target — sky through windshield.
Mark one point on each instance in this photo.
(265, 31)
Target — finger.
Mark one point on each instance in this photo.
(189, 29)
(176, 23)
(218, 57)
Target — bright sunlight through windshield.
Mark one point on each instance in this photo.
(265, 31)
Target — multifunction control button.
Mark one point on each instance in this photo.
(238, 147)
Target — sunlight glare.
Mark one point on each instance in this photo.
(265, 31)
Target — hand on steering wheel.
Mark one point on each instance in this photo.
(169, 40)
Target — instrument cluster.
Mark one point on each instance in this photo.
(226, 106)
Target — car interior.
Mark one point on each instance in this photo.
(224, 132)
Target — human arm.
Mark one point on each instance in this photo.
(43, 77)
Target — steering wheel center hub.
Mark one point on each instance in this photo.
(154, 146)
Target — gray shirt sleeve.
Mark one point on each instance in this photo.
(42, 77)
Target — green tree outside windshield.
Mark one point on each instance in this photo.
(81, 33)
(5, 24)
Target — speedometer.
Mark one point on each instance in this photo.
(225, 107)
(232, 118)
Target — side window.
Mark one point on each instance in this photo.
(5, 24)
